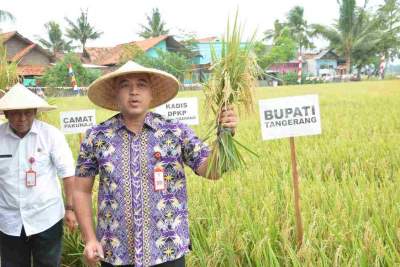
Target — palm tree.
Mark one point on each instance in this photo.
(55, 41)
(349, 33)
(273, 34)
(299, 28)
(388, 18)
(5, 15)
(82, 30)
(155, 27)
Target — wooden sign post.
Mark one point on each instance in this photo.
(290, 117)
(296, 193)
(185, 109)
(77, 122)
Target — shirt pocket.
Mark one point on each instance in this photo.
(42, 162)
(5, 165)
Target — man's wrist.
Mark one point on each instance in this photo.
(69, 207)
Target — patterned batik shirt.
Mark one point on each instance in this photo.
(136, 224)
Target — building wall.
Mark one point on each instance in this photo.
(14, 45)
(326, 64)
(35, 57)
(205, 51)
(152, 51)
(311, 67)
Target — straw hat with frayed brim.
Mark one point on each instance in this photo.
(164, 86)
(20, 97)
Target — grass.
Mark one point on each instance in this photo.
(349, 186)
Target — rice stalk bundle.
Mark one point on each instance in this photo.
(231, 83)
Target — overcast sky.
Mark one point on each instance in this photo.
(120, 20)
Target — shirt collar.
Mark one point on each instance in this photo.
(150, 120)
(34, 129)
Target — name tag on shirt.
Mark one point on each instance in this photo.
(159, 181)
(30, 178)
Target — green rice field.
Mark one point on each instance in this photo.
(350, 178)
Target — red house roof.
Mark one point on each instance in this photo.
(112, 55)
(31, 70)
(25, 70)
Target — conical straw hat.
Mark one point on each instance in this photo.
(20, 97)
(164, 86)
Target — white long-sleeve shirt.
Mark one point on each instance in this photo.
(39, 207)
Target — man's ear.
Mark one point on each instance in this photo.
(5, 114)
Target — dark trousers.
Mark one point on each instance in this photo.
(176, 263)
(43, 248)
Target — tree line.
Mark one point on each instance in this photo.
(360, 35)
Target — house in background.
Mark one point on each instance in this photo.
(285, 67)
(32, 60)
(111, 57)
(202, 61)
(320, 64)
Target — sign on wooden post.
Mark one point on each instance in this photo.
(79, 122)
(290, 117)
(183, 109)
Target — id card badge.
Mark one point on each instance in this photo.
(30, 178)
(159, 181)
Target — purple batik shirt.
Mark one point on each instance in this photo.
(137, 225)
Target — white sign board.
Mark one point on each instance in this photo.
(77, 121)
(290, 116)
(183, 109)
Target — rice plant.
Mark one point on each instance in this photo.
(233, 79)
(350, 177)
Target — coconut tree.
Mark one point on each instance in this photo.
(349, 32)
(299, 28)
(155, 26)
(388, 18)
(5, 15)
(55, 42)
(273, 34)
(81, 30)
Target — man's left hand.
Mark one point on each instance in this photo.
(228, 118)
(70, 220)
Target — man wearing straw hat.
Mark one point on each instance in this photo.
(139, 156)
(32, 154)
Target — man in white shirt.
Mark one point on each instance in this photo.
(32, 155)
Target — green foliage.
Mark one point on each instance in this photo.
(299, 28)
(290, 78)
(189, 49)
(354, 33)
(131, 52)
(155, 26)
(82, 31)
(8, 71)
(57, 75)
(273, 34)
(283, 50)
(349, 185)
(388, 19)
(55, 41)
(170, 62)
(261, 50)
